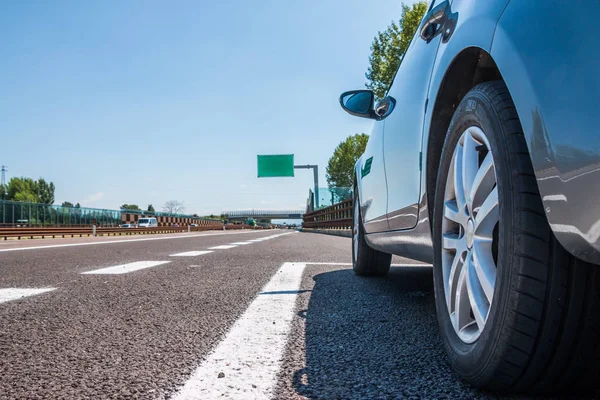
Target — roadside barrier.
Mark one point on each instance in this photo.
(337, 216)
(53, 232)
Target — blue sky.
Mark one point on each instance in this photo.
(147, 101)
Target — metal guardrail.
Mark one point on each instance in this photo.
(337, 216)
(32, 233)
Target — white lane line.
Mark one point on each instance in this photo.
(223, 247)
(269, 237)
(182, 236)
(191, 253)
(126, 268)
(555, 197)
(241, 243)
(15, 293)
(250, 355)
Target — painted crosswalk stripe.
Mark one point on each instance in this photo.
(17, 293)
(223, 247)
(241, 243)
(191, 253)
(250, 355)
(126, 268)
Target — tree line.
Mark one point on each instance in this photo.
(29, 190)
(42, 192)
(387, 50)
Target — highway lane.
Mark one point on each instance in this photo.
(279, 318)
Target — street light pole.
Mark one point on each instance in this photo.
(315, 169)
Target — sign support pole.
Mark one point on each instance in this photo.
(315, 169)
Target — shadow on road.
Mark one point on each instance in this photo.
(375, 338)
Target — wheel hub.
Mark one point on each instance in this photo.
(471, 213)
(470, 228)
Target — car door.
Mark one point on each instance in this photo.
(371, 178)
(404, 126)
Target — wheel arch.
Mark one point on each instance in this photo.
(469, 68)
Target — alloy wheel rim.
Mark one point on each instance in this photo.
(470, 234)
(355, 229)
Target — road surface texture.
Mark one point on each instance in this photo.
(230, 315)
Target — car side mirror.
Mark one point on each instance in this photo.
(358, 103)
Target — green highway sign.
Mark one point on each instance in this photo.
(276, 165)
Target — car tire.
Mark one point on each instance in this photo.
(365, 260)
(541, 331)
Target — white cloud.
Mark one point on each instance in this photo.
(93, 198)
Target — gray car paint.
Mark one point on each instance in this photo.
(372, 186)
(547, 54)
(551, 66)
(479, 17)
(403, 131)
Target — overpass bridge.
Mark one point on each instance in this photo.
(263, 214)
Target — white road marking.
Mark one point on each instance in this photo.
(126, 268)
(250, 355)
(241, 243)
(182, 236)
(555, 197)
(15, 293)
(223, 247)
(191, 253)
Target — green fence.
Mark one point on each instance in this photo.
(333, 195)
(15, 213)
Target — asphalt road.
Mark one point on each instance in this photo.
(280, 318)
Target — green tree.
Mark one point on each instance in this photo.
(66, 204)
(130, 207)
(389, 47)
(150, 208)
(22, 189)
(340, 168)
(45, 191)
(26, 189)
(77, 205)
(2, 192)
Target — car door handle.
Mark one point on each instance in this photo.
(439, 19)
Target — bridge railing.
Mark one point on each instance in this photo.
(337, 216)
(253, 213)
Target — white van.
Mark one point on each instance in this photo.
(147, 223)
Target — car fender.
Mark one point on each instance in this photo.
(480, 17)
(550, 66)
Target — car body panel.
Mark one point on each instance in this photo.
(403, 132)
(372, 188)
(413, 243)
(547, 55)
(416, 243)
(550, 65)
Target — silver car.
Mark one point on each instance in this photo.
(484, 159)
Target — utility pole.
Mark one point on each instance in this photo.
(4, 169)
(315, 169)
(3, 181)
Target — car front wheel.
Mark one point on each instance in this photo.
(365, 260)
(516, 311)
